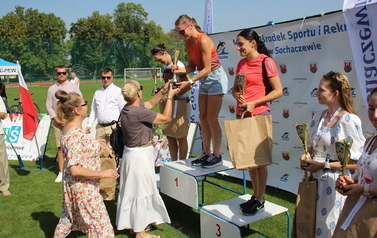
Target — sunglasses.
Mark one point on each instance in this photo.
(154, 51)
(85, 104)
(141, 88)
(61, 73)
(330, 74)
(182, 31)
(106, 77)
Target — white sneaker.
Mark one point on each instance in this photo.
(59, 178)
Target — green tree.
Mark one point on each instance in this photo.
(35, 39)
(92, 39)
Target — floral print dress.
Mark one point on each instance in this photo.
(322, 138)
(83, 207)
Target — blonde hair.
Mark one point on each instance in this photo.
(339, 81)
(184, 19)
(66, 104)
(130, 89)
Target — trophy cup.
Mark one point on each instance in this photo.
(154, 76)
(342, 149)
(241, 82)
(176, 54)
(303, 135)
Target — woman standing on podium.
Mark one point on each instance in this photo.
(254, 100)
(213, 85)
(139, 201)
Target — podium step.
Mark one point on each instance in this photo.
(228, 210)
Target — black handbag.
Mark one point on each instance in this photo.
(116, 141)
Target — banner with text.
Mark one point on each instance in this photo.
(304, 50)
(28, 150)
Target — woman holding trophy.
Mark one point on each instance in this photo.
(177, 129)
(249, 90)
(359, 214)
(338, 122)
(213, 85)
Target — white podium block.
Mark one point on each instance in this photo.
(214, 227)
(228, 212)
(179, 186)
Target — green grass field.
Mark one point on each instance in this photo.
(34, 208)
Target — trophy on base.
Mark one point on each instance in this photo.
(175, 57)
(241, 82)
(303, 135)
(342, 149)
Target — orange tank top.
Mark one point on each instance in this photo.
(195, 54)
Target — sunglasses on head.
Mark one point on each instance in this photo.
(182, 31)
(85, 104)
(330, 74)
(106, 77)
(141, 88)
(61, 73)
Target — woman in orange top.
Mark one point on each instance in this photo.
(213, 85)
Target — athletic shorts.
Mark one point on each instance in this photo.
(214, 83)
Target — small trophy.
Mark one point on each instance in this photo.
(241, 82)
(175, 60)
(342, 149)
(303, 135)
(154, 76)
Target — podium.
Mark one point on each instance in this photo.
(179, 180)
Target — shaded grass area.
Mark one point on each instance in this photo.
(34, 208)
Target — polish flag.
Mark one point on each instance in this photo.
(30, 118)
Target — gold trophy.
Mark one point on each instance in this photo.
(342, 149)
(176, 54)
(303, 135)
(241, 82)
(154, 77)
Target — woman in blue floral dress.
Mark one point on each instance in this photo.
(337, 122)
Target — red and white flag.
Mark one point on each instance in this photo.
(30, 118)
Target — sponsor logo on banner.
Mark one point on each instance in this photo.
(221, 50)
(353, 92)
(285, 155)
(284, 178)
(347, 66)
(313, 67)
(231, 109)
(285, 112)
(13, 133)
(285, 136)
(231, 70)
(285, 91)
(283, 68)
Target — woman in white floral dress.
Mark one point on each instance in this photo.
(337, 122)
(83, 207)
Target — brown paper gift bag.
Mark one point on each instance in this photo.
(250, 141)
(306, 205)
(107, 185)
(364, 223)
(179, 125)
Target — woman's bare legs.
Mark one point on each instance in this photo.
(209, 109)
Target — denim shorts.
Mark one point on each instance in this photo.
(214, 83)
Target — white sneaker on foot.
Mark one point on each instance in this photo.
(59, 178)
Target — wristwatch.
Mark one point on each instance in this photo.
(327, 165)
(366, 190)
(191, 81)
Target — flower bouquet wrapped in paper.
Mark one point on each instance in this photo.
(303, 135)
(344, 155)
